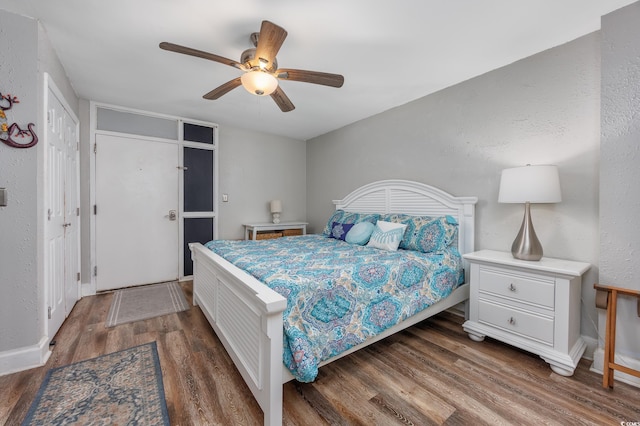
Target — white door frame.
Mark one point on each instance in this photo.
(91, 288)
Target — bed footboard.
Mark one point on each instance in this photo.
(247, 317)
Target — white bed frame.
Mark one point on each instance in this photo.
(247, 315)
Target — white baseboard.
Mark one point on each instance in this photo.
(598, 367)
(87, 289)
(592, 346)
(24, 358)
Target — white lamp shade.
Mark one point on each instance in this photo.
(276, 206)
(533, 184)
(259, 82)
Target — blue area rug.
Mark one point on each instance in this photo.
(122, 388)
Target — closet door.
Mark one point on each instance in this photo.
(62, 225)
(71, 213)
(55, 224)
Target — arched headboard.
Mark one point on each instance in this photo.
(416, 199)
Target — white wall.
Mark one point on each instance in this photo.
(620, 177)
(254, 169)
(20, 312)
(48, 62)
(27, 55)
(541, 110)
(86, 268)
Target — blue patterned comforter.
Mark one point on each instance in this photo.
(339, 294)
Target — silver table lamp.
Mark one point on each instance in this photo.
(529, 184)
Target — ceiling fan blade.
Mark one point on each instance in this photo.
(269, 42)
(315, 77)
(282, 100)
(200, 54)
(223, 90)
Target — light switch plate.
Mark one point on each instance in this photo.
(3, 197)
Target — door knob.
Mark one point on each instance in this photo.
(173, 215)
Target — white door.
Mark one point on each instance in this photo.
(72, 215)
(62, 234)
(55, 262)
(136, 211)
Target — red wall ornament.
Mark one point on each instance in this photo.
(13, 135)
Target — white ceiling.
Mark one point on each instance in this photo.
(390, 52)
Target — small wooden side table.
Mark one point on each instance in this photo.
(607, 298)
(251, 229)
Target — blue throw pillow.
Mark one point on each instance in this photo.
(360, 233)
(339, 230)
(341, 216)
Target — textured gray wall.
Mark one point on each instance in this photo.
(254, 169)
(620, 169)
(48, 62)
(20, 303)
(85, 187)
(540, 110)
(27, 55)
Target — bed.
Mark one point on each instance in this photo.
(247, 315)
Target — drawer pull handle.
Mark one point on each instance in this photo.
(512, 287)
(512, 321)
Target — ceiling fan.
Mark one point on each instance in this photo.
(260, 67)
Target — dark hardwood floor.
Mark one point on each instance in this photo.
(430, 374)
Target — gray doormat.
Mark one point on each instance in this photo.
(140, 303)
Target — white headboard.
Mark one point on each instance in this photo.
(417, 199)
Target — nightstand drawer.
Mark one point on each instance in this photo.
(534, 290)
(515, 321)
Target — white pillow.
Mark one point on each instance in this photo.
(387, 235)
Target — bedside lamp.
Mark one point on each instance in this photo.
(276, 209)
(529, 184)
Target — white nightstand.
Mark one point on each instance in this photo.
(532, 305)
(273, 230)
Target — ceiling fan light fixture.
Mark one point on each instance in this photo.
(259, 82)
(260, 67)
